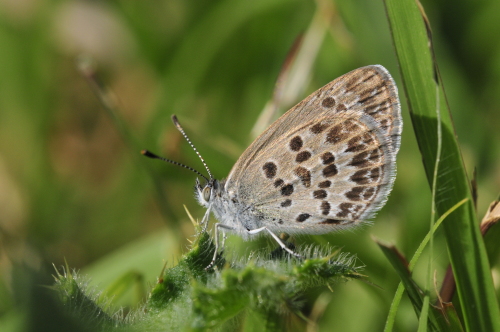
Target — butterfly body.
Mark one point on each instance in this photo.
(237, 215)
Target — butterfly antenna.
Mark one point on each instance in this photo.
(154, 156)
(179, 127)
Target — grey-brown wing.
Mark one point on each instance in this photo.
(329, 161)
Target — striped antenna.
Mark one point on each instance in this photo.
(154, 156)
(178, 125)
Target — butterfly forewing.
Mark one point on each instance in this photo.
(327, 163)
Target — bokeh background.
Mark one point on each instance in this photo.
(74, 188)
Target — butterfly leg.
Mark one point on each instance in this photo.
(204, 220)
(217, 226)
(224, 237)
(276, 238)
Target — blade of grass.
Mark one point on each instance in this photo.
(399, 292)
(413, 44)
(414, 292)
(424, 315)
(422, 321)
(452, 317)
(430, 317)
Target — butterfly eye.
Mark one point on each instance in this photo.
(206, 193)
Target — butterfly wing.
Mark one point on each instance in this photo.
(327, 163)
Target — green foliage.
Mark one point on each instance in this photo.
(431, 119)
(74, 186)
(190, 297)
(82, 303)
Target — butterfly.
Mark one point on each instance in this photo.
(327, 164)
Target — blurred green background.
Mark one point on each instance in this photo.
(73, 188)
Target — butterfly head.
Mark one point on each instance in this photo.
(205, 193)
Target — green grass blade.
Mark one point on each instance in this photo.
(430, 317)
(414, 292)
(452, 317)
(399, 292)
(424, 315)
(465, 245)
